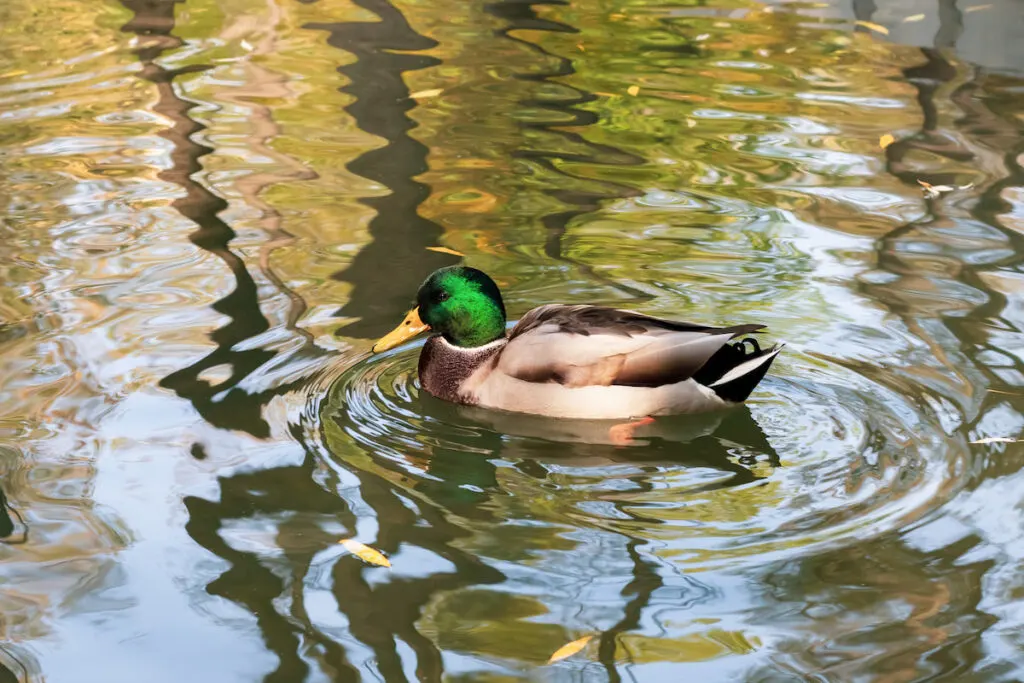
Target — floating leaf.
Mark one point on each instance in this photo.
(933, 191)
(690, 123)
(445, 250)
(633, 90)
(996, 439)
(424, 94)
(365, 552)
(579, 46)
(886, 140)
(703, 36)
(873, 26)
(913, 17)
(790, 50)
(569, 649)
(977, 8)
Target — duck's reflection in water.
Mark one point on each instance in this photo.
(692, 440)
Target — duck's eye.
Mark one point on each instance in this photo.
(443, 296)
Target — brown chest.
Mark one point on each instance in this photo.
(444, 368)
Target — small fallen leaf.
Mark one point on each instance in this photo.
(579, 46)
(445, 250)
(977, 8)
(933, 191)
(790, 50)
(886, 140)
(605, 94)
(873, 26)
(633, 90)
(913, 17)
(365, 552)
(569, 649)
(996, 439)
(424, 94)
(690, 123)
(703, 36)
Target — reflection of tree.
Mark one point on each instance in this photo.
(940, 591)
(386, 272)
(284, 495)
(938, 623)
(154, 24)
(565, 112)
(261, 84)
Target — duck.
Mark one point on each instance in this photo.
(573, 361)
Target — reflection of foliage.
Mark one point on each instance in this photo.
(742, 181)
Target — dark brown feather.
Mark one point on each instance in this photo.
(583, 319)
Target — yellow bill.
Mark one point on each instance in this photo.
(406, 330)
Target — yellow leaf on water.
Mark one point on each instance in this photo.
(977, 8)
(445, 250)
(886, 140)
(913, 17)
(873, 26)
(579, 46)
(933, 191)
(423, 94)
(633, 90)
(365, 552)
(690, 123)
(996, 439)
(569, 649)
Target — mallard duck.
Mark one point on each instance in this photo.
(588, 362)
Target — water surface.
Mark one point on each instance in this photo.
(212, 207)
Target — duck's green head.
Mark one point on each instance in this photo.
(460, 303)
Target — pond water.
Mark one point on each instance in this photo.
(211, 208)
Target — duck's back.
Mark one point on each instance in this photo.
(598, 362)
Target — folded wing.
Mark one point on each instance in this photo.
(597, 346)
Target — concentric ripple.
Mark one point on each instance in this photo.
(821, 456)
